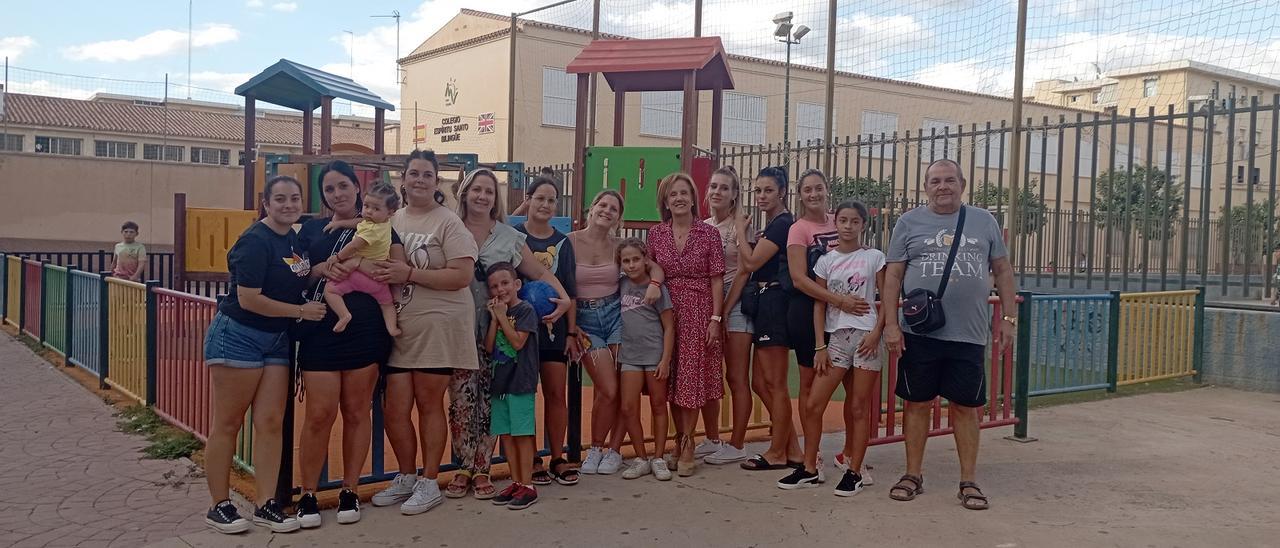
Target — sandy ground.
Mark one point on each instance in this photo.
(1191, 468)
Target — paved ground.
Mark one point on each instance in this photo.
(69, 478)
(1193, 468)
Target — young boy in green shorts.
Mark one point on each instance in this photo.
(512, 344)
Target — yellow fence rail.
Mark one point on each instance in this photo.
(1158, 331)
(127, 337)
(13, 290)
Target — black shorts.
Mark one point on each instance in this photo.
(800, 328)
(552, 355)
(389, 370)
(771, 319)
(930, 368)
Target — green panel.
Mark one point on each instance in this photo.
(618, 168)
(313, 174)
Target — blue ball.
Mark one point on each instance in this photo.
(539, 294)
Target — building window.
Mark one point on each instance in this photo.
(934, 142)
(167, 153)
(1122, 151)
(58, 145)
(1195, 172)
(559, 97)
(214, 156)
(1044, 151)
(661, 112)
(1097, 97)
(12, 143)
(114, 149)
(1213, 94)
(1075, 98)
(1150, 87)
(743, 119)
(874, 125)
(809, 122)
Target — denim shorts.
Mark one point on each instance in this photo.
(601, 320)
(735, 320)
(232, 344)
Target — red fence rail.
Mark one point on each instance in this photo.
(31, 299)
(182, 380)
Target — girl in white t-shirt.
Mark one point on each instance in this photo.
(851, 353)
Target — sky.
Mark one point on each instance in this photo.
(966, 44)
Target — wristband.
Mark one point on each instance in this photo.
(655, 283)
(820, 348)
(716, 318)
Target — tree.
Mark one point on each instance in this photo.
(1254, 217)
(870, 192)
(1030, 205)
(1132, 202)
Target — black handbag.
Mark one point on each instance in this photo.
(750, 299)
(922, 308)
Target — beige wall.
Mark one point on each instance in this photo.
(480, 73)
(70, 198)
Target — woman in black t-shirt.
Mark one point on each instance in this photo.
(767, 263)
(553, 249)
(247, 351)
(339, 370)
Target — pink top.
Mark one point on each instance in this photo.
(596, 281)
(807, 233)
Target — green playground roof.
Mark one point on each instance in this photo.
(300, 87)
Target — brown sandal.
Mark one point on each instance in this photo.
(971, 501)
(484, 492)
(910, 485)
(458, 486)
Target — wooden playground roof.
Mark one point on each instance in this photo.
(655, 65)
(298, 86)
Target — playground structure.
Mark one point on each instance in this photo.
(688, 65)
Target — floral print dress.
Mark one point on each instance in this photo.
(696, 376)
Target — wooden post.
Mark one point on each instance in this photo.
(308, 131)
(180, 241)
(326, 125)
(689, 121)
(619, 117)
(580, 146)
(250, 121)
(379, 128)
(717, 119)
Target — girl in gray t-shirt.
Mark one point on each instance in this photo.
(648, 340)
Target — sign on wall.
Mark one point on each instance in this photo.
(420, 133)
(451, 128)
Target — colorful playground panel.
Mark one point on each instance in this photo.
(210, 234)
(632, 171)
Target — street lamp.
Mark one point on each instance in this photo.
(789, 35)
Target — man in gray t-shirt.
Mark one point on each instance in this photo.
(642, 332)
(950, 361)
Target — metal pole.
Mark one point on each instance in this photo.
(1015, 160)
(511, 95)
(189, 27)
(1022, 366)
(595, 84)
(786, 102)
(828, 117)
(697, 18)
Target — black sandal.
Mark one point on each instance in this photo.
(540, 477)
(568, 476)
(759, 463)
(916, 487)
(971, 501)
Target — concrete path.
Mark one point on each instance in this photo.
(1194, 468)
(69, 478)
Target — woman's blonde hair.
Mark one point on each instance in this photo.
(732, 173)
(622, 204)
(498, 212)
(665, 186)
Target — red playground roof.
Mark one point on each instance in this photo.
(655, 65)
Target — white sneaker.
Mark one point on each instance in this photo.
(707, 447)
(639, 468)
(610, 463)
(660, 470)
(864, 471)
(400, 490)
(822, 476)
(591, 464)
(727, 454)
(426, 495)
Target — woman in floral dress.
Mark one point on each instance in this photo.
(692, 257)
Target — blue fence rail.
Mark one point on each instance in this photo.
(87, 316)
(1070, 342)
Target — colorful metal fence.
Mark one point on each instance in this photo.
(1068, 338)
(12, 289)
(31, 293)
(1161, 335)
(54, 308)
(127, 337)
(182, 379)
(87, 317)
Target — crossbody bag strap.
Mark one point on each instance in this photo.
(951, 255)
(343, 239)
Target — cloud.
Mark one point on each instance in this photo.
(221, 81)
(47, 88)
(14, 46)
(285, 7)
(155, 44)
(253, 4)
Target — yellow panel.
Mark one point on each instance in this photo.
(211, 233)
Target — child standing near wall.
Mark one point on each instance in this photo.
(512, 344)
(130, 258)
(648, 341)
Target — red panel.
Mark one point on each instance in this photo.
(701, 172)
